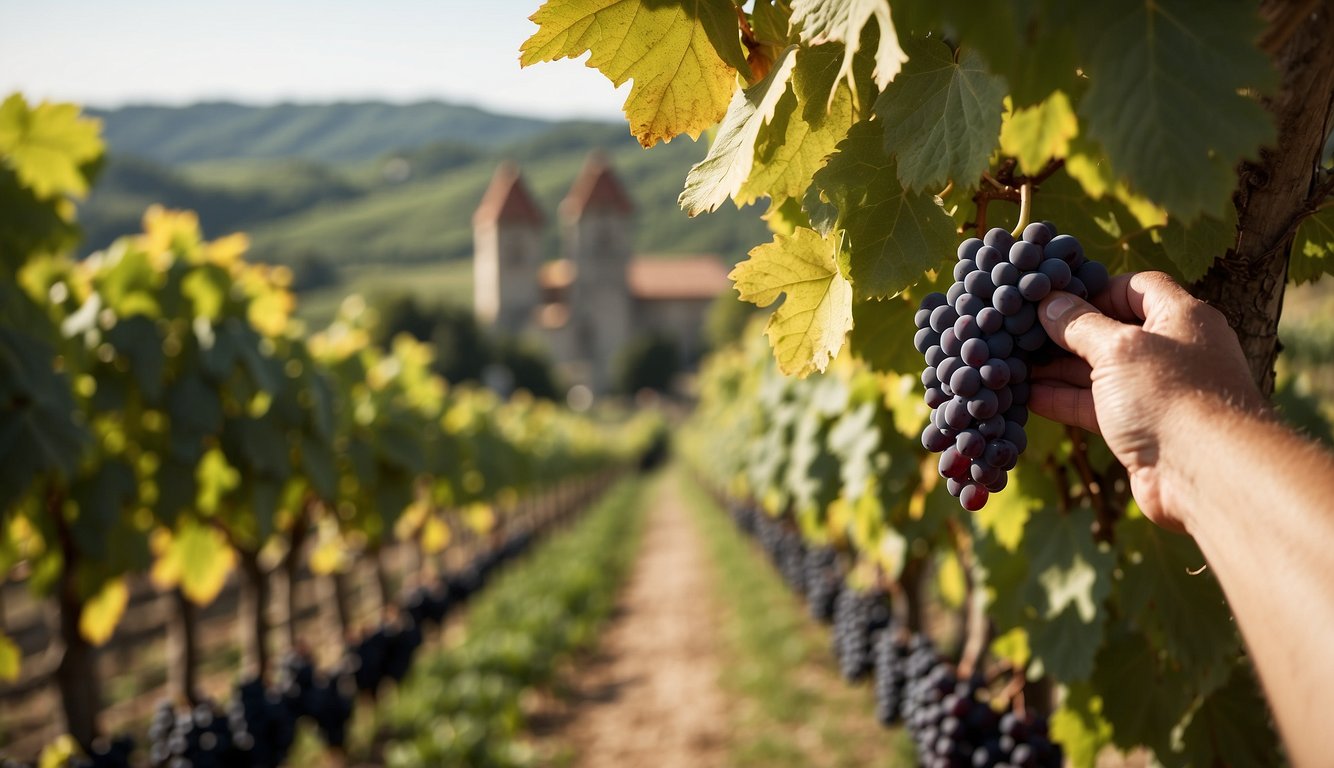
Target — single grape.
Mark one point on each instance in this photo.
(933, 440)
(984, 404)
(1093, 275)
(956, 410)
(962, 268)
(965, 382)
(974, 353)
(983, 473)
(922, 318)
(1007, 299)
(1000, 483)
(929, 378)
(992, 427)
(954, 464)
(1004, 399)
(1065, 248)
(1035, 285)
(1057, 271)
(953, 486)
(943, 317)
(990, 320)
(973, 497)
(988, 257)
(999, 239)
(1026, 256)
(1021, 392)
(936, 397)
(949, 343)
(968, 248)
(1076, 286)
(1001, 453)
(970, 443)
(954, 292)
(1039, 233)
(935, 355)
(1015, 434)
(978, 283)
(1032, 339)
(925, 339)
(995, 373)
(1018, 370)
(1018, 414)
(966, 328)
(1004, 273)
(968, 304)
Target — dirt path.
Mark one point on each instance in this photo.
(650, 696)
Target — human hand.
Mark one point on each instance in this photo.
(1151, 359)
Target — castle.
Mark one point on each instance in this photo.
(588, 305)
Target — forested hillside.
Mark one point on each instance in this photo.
(401, 192)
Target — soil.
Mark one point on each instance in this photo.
(650, 693)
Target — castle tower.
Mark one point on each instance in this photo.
(507, 242)
(596, 227)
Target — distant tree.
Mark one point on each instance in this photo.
(311, 271)
(649, 362)
(529, 367)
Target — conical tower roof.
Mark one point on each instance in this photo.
(507, 199)
(596, 189)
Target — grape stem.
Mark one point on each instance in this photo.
(1025, 208)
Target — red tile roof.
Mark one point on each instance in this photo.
(691, 277)
(596, 189)
(507, 199)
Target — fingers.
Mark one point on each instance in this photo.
(1067, 370)
(1077, 325)
(1134, 296)
(1064, 403)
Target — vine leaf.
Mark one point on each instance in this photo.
(942, 118)
(841, 21)
(1036, 134)
(11, 659)
(102, 612)
(808, 330)
(1231, 726)
(48, 146)
(196, 558)
(1166, 98)
(1194, 247)
(877, 335)
(1313, 248)
(1138, 713)
(1069, 578)
(790, 149)
(893, 236)
(683, 56)
(1079, 727)
(728, 164)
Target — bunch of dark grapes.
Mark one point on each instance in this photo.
(823, 582)
(106, 753)
(262, 724)
(979, 340)
(948, 722)
(197, 738)
(891, 654)
(367, 660)
(858, 618)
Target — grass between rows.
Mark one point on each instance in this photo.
(792, 708)
(461, 705)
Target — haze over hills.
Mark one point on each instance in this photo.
(355, 184)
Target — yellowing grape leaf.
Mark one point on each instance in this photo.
(727, 166)
(1313, 248)
(197, 559)
(10, 659)
(47, 146)
(841, 21)
(808, 330)
(435, 535)
(102, 613)
(790, 149)
(683, 56)
(1039, 133)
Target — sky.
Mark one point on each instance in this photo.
(103, 53)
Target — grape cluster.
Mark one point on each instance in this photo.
(785, 548)
(106, 753)
(858, 618)
(199, 737)
(823, 582)
(891, 651)
(979, 340)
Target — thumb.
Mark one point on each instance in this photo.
(1077, 325)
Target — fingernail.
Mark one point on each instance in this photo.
(1058, 306)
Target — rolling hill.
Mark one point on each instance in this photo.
(386, 204)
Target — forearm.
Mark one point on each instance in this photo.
(1259, 501)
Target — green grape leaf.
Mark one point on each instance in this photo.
(1313, 248)
(1231, 727)
(11, 659)
(808, 329)
(38, 434)
(320, 467)
(842, 21)
(878, 336)
(676, 51)
(1078, 726)
(136, 339)
(1069, 579)
(195, 412)
(813, 470)
(789, 150)
(728, 164)
(1138, 713)
(1161, 590)
(1106, 228)
(941, 118)
(855, 441)
(1005, 571)
(1036, 134)
(1166, 98)
(101, 498)
(1194, 247)
(893, 236)
(48, 146)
